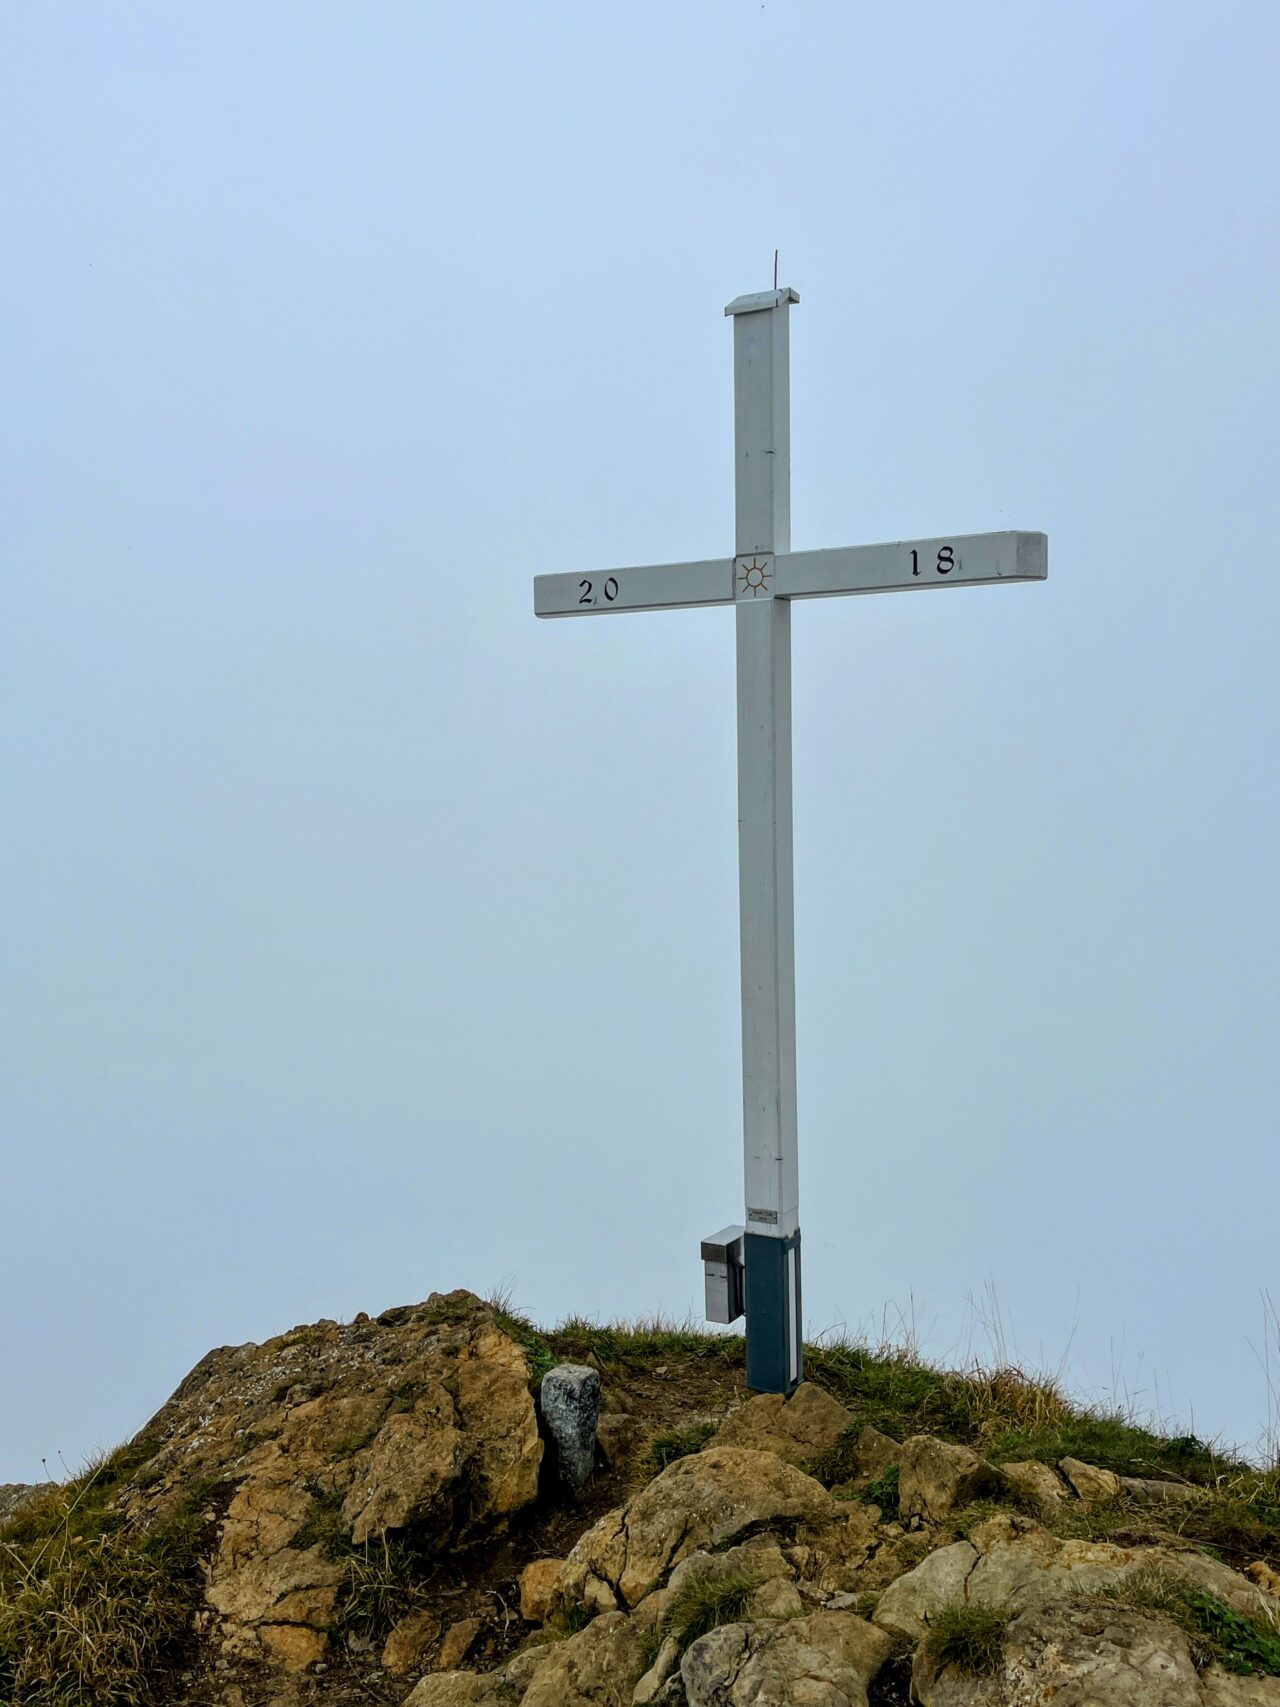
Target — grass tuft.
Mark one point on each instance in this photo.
(673, 1443)
(92, 1610)
(706, 1600)
(970, 1638)
(518, 1327)
(384, 1582)
(885, 1493)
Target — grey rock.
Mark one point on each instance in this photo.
(13, 1496)
(571, 1410)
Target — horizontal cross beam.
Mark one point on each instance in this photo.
(963, 560)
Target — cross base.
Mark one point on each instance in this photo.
(775, 1338)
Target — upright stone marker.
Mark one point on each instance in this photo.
(762, 579)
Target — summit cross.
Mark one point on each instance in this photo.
(757, 1266)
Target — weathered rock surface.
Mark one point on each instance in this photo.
(1090, 1482)
(1224, 1689)
(408, 1642)
(877, 1452)
(1012, 1563)
(1037, 1482)
(570, 1400)
(703, 1500)
(1073, 1656)
(422, 1418)
(539, 1582)
(618, 1436)
(937, 1478)
(13, 1496)
(797, 1429)
(826, 1659)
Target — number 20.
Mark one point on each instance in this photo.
(945, 564)
(610, 591)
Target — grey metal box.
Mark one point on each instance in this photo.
(722, 1264)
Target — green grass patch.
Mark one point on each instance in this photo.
(970, 1638)
(324, 1525)
(1111, 1442)
(885, 1493)
(531, 1340)
(707, 1599)
(673, 1443)
(644, 1345)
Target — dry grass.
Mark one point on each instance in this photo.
(90, 1610)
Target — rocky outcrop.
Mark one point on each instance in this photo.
(937, 1478)
(13, 1496)
(1012, 1564)
(797, 1429)
(827, 1658)
(1073, 1656)
(701, 1501)
(422, 1419)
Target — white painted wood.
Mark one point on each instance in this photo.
(656, 586)
(762, 459)
(962, 560)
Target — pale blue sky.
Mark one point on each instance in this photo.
(361, 936)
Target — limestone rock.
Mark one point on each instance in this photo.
(651, 1684)
(1224, 1689)
(586, 1670)
(1144, 1490)
(337, 1432)
(408, 1642)
(937, 1478)
(459, 1639)
(797, 1429)
(826, 1659)
(538, 1584)
(1036, 1481)
(618, 1436)
(570, 1400)
(1014, 1564)
(701, 1501)
(906, 1606)
(759, 1556)
(13, 1496)
(1073, 1655)
(877, 1452)
(1089, 1481)
(463, 1689)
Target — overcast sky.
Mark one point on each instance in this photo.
(362, 936)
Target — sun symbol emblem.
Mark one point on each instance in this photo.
(754, 575)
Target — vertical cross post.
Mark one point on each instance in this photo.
(762, 463)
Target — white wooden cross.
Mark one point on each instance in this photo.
(762, 579)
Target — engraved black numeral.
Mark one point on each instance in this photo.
(586, 592)
(946, 560)
(915, 562)
(611, 589)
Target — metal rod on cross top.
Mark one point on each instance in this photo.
(755, 1267)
